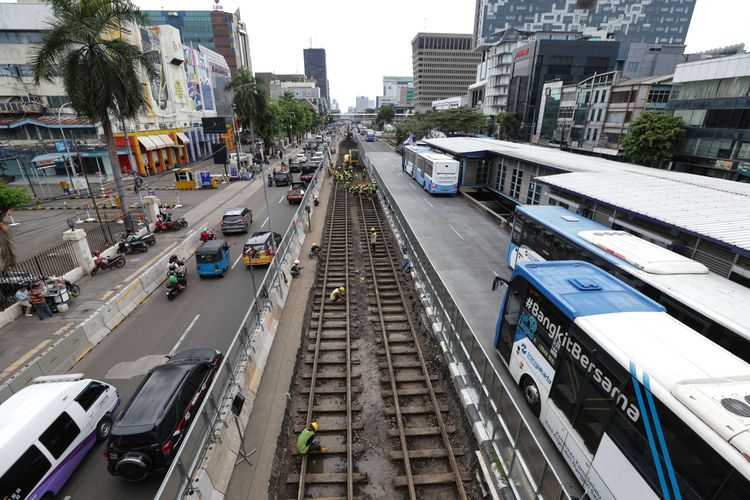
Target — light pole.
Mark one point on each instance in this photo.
(67, 150)
(136, 177)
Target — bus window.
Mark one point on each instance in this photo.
(23, 476)
(510, 317)
(59, 435)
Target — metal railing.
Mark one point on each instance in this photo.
(54, 261)
(525, 462)
(209, 420)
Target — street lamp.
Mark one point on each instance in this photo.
(67, 150)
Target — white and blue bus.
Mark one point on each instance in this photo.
(705, 301)
(639, 405)
(435, 172)
(370, 135)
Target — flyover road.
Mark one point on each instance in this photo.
(207, 314)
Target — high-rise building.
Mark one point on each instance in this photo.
(265, 79)
(396, 89)
(315, 69)
(444, 65)
(665, 21)
(220, 31)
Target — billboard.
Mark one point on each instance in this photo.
(157, 93)
(214, 125)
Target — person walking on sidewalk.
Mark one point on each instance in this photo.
(373, 238)
(306, 442)
(38, 300)
(22, 297)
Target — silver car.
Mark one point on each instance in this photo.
(236, 220)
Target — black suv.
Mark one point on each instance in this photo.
(149, 430)
(282, 178)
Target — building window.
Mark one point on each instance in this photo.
(633, 66)
(500, 184)
(594, 132)
(599, 115)
(588, 134)
(532, 196)
(515, 182)
(658, 95)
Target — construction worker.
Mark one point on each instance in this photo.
(373, 238)
(337, 295)
(306, 442)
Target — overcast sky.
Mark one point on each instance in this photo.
(365, 40)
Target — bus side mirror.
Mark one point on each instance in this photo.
(497, 282)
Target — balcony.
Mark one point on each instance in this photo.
(19, 107)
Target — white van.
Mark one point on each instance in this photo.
(47, 428)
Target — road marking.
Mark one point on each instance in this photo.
(236, 262)
(454, 230)
(281, 199)
(179, 341)
(428, 202)
(22, 360)
(264, 222)
(412, 186)
(107, 295)
(493, 272)
(63, 329)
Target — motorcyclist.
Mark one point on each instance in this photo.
(270, 178)
(177, 267)
(296, 268)
(206, 234)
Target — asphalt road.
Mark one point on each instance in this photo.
(207, 314)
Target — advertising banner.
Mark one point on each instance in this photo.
(193, 82)
(157, 93)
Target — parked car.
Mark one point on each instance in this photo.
(48, 428)
(236, 220)
(150, 429)
(282, 178)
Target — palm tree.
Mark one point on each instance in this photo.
(100, 71)
(249, 100)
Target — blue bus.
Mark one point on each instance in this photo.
(435, 172)
(639, 405)
(705, 301)
(370, 135)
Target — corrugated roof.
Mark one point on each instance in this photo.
(715, 208)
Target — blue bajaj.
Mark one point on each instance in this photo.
(212, 258)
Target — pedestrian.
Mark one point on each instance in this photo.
(38, 299)
(22, 297)
(406, 264)
(373, 238)
(337, 295)
(306, 442)
(314, 251)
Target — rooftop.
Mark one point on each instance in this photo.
(715, 209)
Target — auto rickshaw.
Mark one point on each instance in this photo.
(212, 258)
(260, 248)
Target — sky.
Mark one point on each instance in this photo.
(366, 40)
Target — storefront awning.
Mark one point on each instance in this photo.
(184, 138)
(147, 143)
(167, 140)
(156, 139)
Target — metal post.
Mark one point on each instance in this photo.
(135, 176)
(25, 176)
(67, 150)
(88, 186)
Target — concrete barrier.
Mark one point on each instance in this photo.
(154, 276)
(64, 353)
(94, 328)
(24, 376)
(5, 392)
(111, 314)
(130, 296)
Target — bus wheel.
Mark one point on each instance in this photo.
(531, 393)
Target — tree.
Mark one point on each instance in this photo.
(101, 73)
(653, 138)
(249, 100)
(506, 125)
(386, 114)
(458, 121)
(10, 197)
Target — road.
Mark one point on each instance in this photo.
(212, 309)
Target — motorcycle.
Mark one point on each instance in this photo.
(117, 261)
(73, 289)
(170, 225)
(270, 180)
(126, 246)
(174, 289)
(148, 238)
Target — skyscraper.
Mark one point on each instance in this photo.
(444, 66)
(665, 21)
(315, 68)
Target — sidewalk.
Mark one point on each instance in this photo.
(266, 419)
(26, 337)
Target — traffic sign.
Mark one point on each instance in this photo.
(85, 205)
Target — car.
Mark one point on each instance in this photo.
(307, 173)
(295, 166)
(301, 158)
(296, 192)
(236, 220)
(148, 432)
(282, 178)
(259, 248)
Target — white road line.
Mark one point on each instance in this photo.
(182, 337)
(412, 186)
(282, 199)
(235, 262)
(264, 222)
(493, 272)
(428, 202)
(454, 230)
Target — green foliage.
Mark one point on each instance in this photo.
(385, 115)
(506, 125)
(653, 138)
(249, 99)
(10, 197)
(451, 122)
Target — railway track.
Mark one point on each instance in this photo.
(422, 432)
(385, 414)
